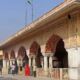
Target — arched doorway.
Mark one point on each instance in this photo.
(22, 58)
(56, 46)
(37, 57)
(12, 58)
(35, 50)
(6, 56)
(12, 54)
(57, 56)
(61, 55)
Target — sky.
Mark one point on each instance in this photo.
(15, 14)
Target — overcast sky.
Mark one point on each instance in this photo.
(13, 12)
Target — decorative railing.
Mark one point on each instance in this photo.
(40, 72)
(59, 73)
(55, 73)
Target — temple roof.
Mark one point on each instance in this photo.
(56, 12)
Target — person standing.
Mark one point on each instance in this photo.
(13, 68)
(27, 70)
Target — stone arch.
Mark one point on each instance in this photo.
(39, 59)
(22, 56)
(52, 43)
(6, 56)
(12, 54)
(61, 54)
(21, 52)
(55, 46)
(34, 48)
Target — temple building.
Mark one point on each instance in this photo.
(50, 45)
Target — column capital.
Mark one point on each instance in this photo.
(32, 56)
(48, 54)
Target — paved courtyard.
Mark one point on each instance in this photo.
(2, 78)
(17, 77)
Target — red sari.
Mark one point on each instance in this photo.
(27, 70)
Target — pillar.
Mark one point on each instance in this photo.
(45, 63)
(73, 60)
(50, 65)
(50, 62)
(4, 63)
(4, 69)
(10, 62)
(34, 64)
(29, 61)
(7, 63)
(46, 66)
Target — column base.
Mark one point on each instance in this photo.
(46, 73)
(73, 74)
(4, 71)
(21, 72)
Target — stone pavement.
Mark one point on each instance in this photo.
(20, 77)
(2, 78)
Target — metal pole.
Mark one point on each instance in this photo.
(26, 15)
(31, 4)
(32, 11)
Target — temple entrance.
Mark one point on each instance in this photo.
(22, 60)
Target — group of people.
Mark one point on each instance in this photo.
(29, 71)
(13, 69)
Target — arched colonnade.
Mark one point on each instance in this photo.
(55, 55)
